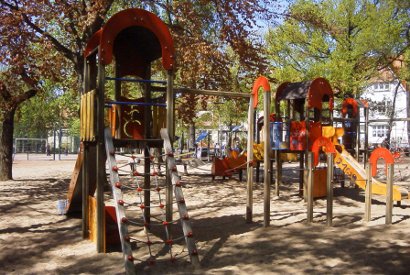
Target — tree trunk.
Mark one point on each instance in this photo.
(408, 114)
(391, 116)
(6, 145)
(191, 140)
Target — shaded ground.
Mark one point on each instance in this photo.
(35, 240)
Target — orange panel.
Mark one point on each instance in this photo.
(352, 103)
(318, 144)
(380, 153)
(319, 183)
(219, 167)
(260, 82)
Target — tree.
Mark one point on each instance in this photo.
(202, 30)
(38, 40)
(346, 41)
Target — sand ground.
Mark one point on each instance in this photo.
(34, 239)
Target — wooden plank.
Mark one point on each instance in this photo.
(74, 189)
(179, 197)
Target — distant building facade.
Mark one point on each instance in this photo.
(380, 96)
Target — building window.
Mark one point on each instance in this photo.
(381, 87)
(380, 131)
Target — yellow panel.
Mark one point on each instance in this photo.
(92, 218)
(354, 170)
(82, 117)
(328, 131)
(91, 114)
(87, 117)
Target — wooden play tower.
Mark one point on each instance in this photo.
(124, 107)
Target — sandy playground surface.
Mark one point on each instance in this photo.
(34, 239)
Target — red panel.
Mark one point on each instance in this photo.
(93, 42)
(297, 135)
(137, 17)
(319, 88)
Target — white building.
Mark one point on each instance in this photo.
(380, 96)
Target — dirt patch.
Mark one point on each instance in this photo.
(34, 239)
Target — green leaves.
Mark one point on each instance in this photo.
(346, 41)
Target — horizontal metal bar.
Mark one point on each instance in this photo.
(341, 119)
(388, 120)
(110, 103)
(158, 89)
(136, 80)
(212, 92)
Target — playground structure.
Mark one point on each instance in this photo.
(305, 127)
(118, 118)
(127, 45)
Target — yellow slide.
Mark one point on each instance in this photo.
(354, 170)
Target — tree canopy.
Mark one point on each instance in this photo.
(346, 41)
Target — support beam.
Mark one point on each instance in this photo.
(266, 158)
(100, 171)
(212, 92)
(170, 127)
(310, 188)
(329, 185)
(368, 194)
(389, 193)
(249, 165)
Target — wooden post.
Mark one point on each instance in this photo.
(85, 184)
(84, 177)
(170, 127)
(389, 193)
(310, 188)
(357, 145)
(258, 140)
(301, 173)
(366, 135)
(368, 195)
(266, 158)
(249, 165)
(329, 184)
(278, 166)
(100, 176)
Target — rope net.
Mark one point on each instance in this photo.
(151, 236)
